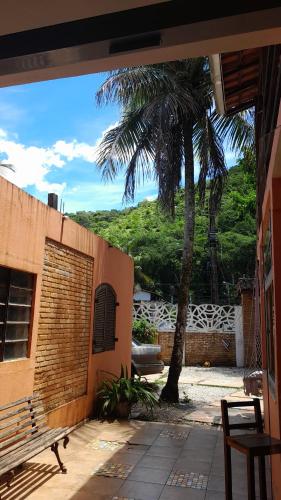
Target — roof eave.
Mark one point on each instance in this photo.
(216, 75)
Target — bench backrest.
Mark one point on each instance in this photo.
(19, 422)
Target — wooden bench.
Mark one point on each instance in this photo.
(24, 434)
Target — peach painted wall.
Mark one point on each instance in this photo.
(272, 210)
(25, 223)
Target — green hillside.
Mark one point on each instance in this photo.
(155, 240)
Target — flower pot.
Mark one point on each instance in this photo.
(123, 409)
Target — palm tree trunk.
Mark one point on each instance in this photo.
(213, 249)
(171, 392)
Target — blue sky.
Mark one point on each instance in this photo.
(49, 132)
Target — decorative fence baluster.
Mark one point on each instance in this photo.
(200, 318)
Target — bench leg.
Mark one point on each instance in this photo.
(9, 477)
(54, 448)
(65, 441)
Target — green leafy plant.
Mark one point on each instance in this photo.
(117, 395)
(144, 332)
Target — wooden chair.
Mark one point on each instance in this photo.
(252, 445)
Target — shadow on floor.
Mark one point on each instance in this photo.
(27, 480)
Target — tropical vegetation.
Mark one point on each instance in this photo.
(117, 395)
(155, 240)
(144, 332)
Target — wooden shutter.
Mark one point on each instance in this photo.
(109, 319)
(104, 319)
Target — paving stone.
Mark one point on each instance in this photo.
(112, 469)
(174, 434)
(188, 480)
(99, 444)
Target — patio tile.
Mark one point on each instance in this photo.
(165, 463)
(135, 448)
(134, 451)
(197, 466)
(148, 475)
(239, 484)
(98, 485)
(126, 458)
(146, 436)
(140, 491)
(217, 495)
(170, 442)
(175, 493)
(164, 451)
(203, 455)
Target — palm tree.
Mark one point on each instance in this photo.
(240, 134)
(167, 121)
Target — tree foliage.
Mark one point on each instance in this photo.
(155, 240)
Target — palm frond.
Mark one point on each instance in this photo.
(238, 131)
(119, 144)
(141, 82)
(140, 164)
(209, 150)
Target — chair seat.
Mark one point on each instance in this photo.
(255, 444)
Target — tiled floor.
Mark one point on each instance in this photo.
(132, 461)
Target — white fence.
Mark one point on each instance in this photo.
(200, 318)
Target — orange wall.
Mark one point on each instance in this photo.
(272, 209)
(25, 222)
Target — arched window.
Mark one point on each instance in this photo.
(104, 319)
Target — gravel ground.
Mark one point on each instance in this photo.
(198, 388)
(202, 394)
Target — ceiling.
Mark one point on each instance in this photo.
(30, 14)
(48, 39)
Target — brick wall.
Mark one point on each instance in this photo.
(64, 325)
(218, 348)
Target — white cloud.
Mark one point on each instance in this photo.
(151, 197)
(74, 149)
(32, 163)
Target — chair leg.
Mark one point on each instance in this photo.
(262, 478)
(54, 448)
(251, 477)
(227, 472)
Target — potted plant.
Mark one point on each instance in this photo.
(117, 395)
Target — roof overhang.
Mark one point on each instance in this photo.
(43, 40)
(235, 77)
(216, 75)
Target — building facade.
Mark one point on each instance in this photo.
(252, 79)
(65, 308)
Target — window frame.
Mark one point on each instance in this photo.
(6, 305)
(98, 347)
